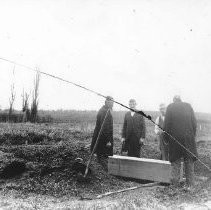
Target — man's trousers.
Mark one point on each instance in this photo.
(164, 148)
(189, 171)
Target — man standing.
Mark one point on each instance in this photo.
(180, 122)
(104, 131)
(133, 132)
(160, 135)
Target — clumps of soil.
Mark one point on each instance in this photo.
(52, 169)
(29, 134)
(80, 168)
(200, 193)
(173, 195)
(19, 138)
(10, 166)
(13, 169)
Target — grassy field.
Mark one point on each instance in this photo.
(49, 151)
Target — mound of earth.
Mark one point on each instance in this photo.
(50, 170)
(49, 167)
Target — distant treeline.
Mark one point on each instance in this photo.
(74, 116)
(79, 116)
(18, 116)
(4, 117)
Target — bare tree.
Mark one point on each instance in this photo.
(11, 101)
(12, 97)
(34, 105)
(25, 106)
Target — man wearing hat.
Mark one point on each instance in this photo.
(180, 122)
(104, 131)
(160, 135)
(133, 131)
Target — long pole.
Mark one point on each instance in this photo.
(128, 189)
(96, 143)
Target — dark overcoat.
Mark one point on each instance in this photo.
(133, 129)
(180, 122)
(106, 135)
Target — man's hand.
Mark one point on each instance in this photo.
(160, 132)
(141, 141)
(122, 140)
(108, 144)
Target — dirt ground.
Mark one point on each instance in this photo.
(49, 181)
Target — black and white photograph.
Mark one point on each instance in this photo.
(105, 104)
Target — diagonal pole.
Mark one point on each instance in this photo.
(96, 143)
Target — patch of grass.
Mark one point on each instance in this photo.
(50, 158)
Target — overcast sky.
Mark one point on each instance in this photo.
(148, 50)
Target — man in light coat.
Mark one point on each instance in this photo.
(163, 145)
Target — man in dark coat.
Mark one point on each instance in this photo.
(104, 129)
(133, 132)
(180, 122)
